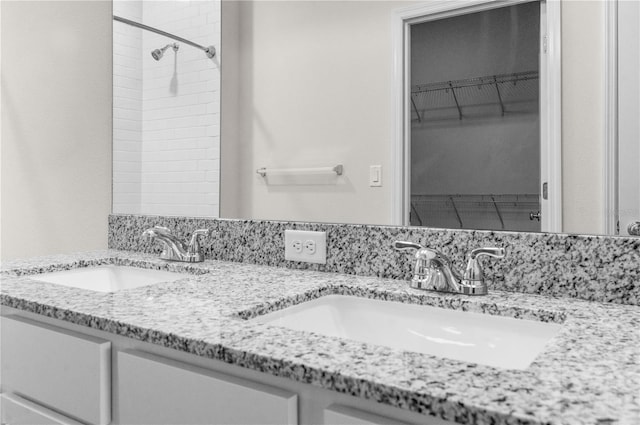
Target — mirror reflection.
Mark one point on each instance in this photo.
(166, 107)
(325, 97)
(475, 122)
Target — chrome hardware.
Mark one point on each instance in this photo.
(338, 169)
(210, 51)
(174, 248)
(634, 228)
(158, 53)
(473, 278)
(434, 271)
(194, 243)
(534, 216)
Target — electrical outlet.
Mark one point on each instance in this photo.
(310, 247)
(297, 246)
(305, 246)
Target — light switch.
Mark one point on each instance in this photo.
(375, 175)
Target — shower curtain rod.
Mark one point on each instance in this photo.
(210, 51)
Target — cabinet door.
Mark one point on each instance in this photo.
(156, 390)
(18, 411)
(64, 370)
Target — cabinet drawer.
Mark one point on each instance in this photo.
(18, 411)
(156, 390)
(60, 369)
(342, 415)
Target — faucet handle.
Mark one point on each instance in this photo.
(194, 244)
(473, 272)
(423, 253)
(406, 246)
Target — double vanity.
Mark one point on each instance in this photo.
(232, 342)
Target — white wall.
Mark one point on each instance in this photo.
(582, 115)
(178, 163)
(232, 199)
(56, 126)
(314, 91)
(291, 114)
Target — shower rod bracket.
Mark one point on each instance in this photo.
(210, 51)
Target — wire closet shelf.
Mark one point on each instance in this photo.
(515, 92)
(503, 209)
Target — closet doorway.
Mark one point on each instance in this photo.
(479, 132)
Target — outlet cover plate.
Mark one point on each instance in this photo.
(292, 237)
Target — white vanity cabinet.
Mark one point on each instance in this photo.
(54, 370)
(157, 390)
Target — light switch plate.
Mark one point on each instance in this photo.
(314, 246)
(375, 175)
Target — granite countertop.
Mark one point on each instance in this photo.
(588, 374)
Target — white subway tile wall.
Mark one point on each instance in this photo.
(171, 108)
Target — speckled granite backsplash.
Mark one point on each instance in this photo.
(595, 268)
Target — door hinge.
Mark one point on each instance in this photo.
(544, 44)
(545, 190)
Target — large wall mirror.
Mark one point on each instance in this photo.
(294, 118)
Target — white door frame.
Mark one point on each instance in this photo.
(621, 109)
(550, 100)
(610, 145)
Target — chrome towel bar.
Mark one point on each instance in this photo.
(338, 169)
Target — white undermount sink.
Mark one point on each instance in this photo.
(496, 341)
(108, 278)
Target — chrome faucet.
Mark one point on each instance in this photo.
(434, 271)
(174, 248)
